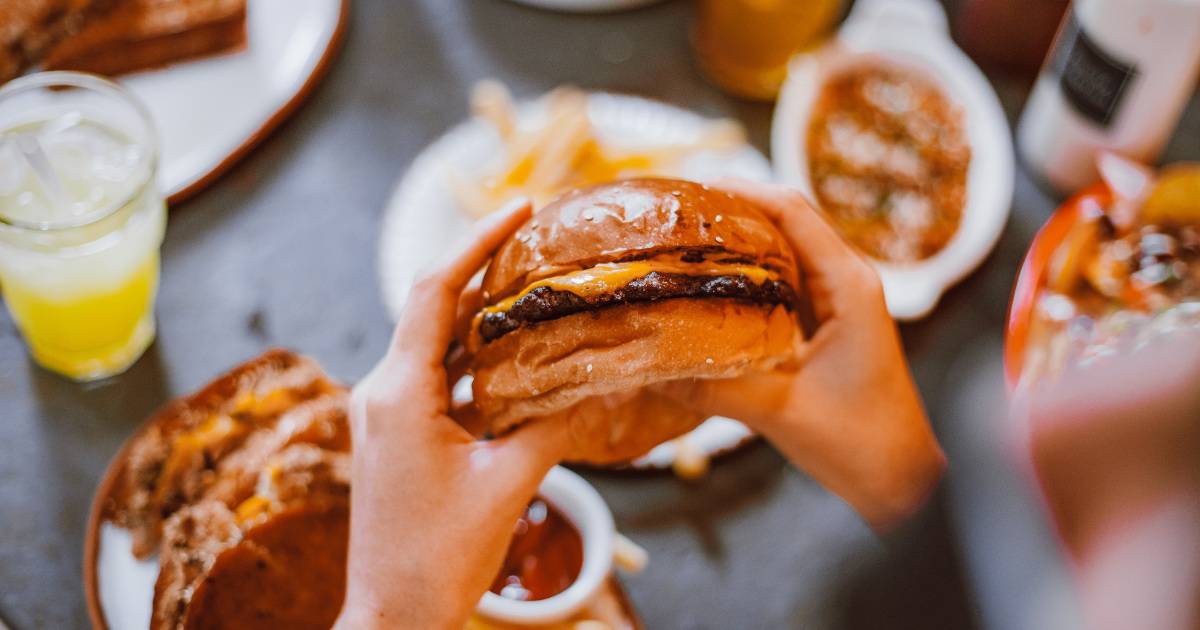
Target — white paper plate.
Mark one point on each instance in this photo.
(910, 33)
(422, 218)
(209, 112)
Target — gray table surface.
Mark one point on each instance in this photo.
(282, 252)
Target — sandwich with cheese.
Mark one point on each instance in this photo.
(609, 291)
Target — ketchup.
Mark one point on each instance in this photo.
(544, 558)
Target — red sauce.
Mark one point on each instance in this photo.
(544, 558)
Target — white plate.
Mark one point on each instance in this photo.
(125, 584)
(910, 33)
(422, 219)
(210, 111)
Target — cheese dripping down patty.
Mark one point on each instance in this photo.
(608, 277)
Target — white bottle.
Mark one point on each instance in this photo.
(1117, 78)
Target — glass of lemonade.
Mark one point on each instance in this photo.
(81, 221)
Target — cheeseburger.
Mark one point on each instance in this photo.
(611, 290)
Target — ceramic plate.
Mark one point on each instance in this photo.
(911, 34)
(210, 112)
(422, 218)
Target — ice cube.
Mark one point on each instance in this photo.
(12, 167)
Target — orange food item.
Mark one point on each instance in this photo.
(888, 161)
(1093, 286)
(140, 34)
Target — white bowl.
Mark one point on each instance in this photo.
(913, 34)
(579, 502)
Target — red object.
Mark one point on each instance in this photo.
(1032, 276)
(545, 556)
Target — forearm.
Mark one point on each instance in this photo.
(885, 474)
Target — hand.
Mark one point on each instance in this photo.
(1114, 447)
(432, 509)
(850, 416)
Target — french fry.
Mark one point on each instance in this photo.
(629, 556)
(565, 150)
(690, 463)
(491, 101)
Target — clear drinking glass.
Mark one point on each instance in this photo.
(81, 221)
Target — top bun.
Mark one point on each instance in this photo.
(633, 219)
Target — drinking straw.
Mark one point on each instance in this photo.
(35, 156)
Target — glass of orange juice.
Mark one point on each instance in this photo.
(744, 45)
(81, 221)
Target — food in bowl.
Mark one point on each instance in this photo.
(888, 160)
(611, 290)
(544, 557)
(1109, 273)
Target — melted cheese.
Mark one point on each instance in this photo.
(252, 508)
(608, 277)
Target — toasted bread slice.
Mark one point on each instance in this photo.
(30, 28)
(180, 454)
(321, 422)
(141, 34)
(276, 561)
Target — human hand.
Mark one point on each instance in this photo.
(850, 416)
(432, 509)
(1113, 447)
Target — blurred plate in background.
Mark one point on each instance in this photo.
(210, 112)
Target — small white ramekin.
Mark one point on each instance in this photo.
(579, 502)
(911, 34)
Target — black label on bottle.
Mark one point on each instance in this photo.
(1093, 80)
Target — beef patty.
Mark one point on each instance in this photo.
(543, 303)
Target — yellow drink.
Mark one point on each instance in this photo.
(80, 226)
(92, 332)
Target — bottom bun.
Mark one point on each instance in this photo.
(594, 364)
